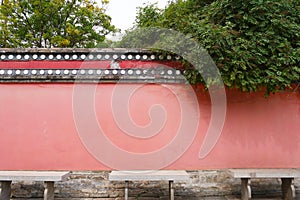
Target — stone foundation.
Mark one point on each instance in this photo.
(95, 185)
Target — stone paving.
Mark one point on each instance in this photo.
(199, 198)
(165, 198)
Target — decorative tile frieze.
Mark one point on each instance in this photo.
(81, 54)
(14, 66)
(147, 75)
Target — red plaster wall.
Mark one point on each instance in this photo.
(38, 130)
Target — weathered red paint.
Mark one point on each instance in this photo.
(38, 131)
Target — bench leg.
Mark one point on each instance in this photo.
(288, 188)
(246, 189)
(5, 191)
(49, 190)
(171, 190)
(126, 190)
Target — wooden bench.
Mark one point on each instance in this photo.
(160, 175)
(286, 175)
(48, 177)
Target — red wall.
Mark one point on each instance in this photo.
(39, 128)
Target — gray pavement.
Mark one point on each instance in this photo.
(165, 198)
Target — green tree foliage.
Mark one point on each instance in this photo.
(53, 23)
(254, 43)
